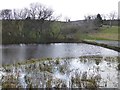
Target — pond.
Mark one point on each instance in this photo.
(60, 65)
(17, 53)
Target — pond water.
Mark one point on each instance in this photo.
(63, 65)
(22, 52)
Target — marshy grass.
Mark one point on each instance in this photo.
(40, 73)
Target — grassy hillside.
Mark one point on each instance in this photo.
(104, 33)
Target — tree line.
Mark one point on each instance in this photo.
(35, 11)
(107, 19)
(29, 25)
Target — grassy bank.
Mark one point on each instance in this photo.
(103, 45)
(105, 33)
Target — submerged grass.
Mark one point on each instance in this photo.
(46, 65)
(32, 61)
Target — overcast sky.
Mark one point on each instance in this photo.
(74, 9)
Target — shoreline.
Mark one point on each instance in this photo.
(33, 60)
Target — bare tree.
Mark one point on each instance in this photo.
(47, 13)
(54, 18)
(87, 17)
(21, 13)
(112, 16)
(67, 19)
(93, 17)
(39, 11)
(6, 14)
(33, 10)
(103, 16)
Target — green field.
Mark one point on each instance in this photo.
(104, 33)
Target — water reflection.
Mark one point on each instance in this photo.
(16, 53)
(83, 72)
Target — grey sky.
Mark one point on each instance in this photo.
(74, 9)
